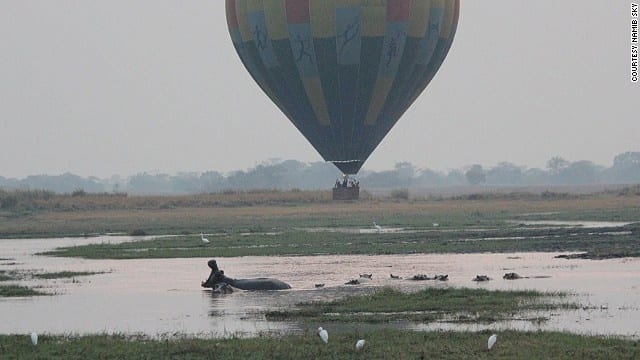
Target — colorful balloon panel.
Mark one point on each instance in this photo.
(343, 71)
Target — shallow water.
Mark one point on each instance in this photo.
(571, 224)
(162, 297)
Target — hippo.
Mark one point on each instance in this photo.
(420, 277)
(481, 278)
(217, 276)
(511, 276)
(222, 288)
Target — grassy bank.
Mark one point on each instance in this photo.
(13, 290)
(64, 274)
(384, 344)
(18, 291)
(90, 215)
(6, 275)
(496, 237)
(428, 305)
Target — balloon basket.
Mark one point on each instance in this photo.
(346, 193)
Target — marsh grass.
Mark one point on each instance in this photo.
(431, 304)
(498, 238)
(18, 291)
(6, 276)
(381, 344)
(64, 274)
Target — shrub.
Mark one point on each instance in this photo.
(78, 192)
(8, 201)
(400, 194)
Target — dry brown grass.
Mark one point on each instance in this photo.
(164, 214)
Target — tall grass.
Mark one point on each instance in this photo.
(380, 344)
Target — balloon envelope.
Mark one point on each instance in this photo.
(343, 71)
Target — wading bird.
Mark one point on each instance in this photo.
(204, 239)
(323, 334)
(34, 338)
(378, 227)
(492, 341)
(360, 344)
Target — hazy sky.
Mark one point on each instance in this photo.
(119, 87)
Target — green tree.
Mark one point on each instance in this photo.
(475, 175)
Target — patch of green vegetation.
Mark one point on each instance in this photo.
(381, 344)
(18, 291)
(431, 304)
(6, 276)
(495, 237)
(65, 274)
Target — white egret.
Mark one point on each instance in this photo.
(492, 341)
(34, 338)
(323, 334)
(204, 239)
(378, 227)
(435, 224)
(360, 344)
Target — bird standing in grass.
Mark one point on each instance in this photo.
(360, 344)
(204, 239)
(323, 334)
(492, 341)
(34, 338)
(378, 227)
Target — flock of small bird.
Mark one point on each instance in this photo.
(419, 277)
(323, 334)
(367, 277)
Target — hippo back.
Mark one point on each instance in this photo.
(261, 284)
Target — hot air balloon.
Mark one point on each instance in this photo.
(343, 71)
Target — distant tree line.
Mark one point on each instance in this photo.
(292, 174)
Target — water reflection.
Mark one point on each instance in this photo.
(163, 296)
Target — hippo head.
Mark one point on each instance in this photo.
(214, 279)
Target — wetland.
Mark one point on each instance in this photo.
(105, 285)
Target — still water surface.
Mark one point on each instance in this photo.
(163, 297)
